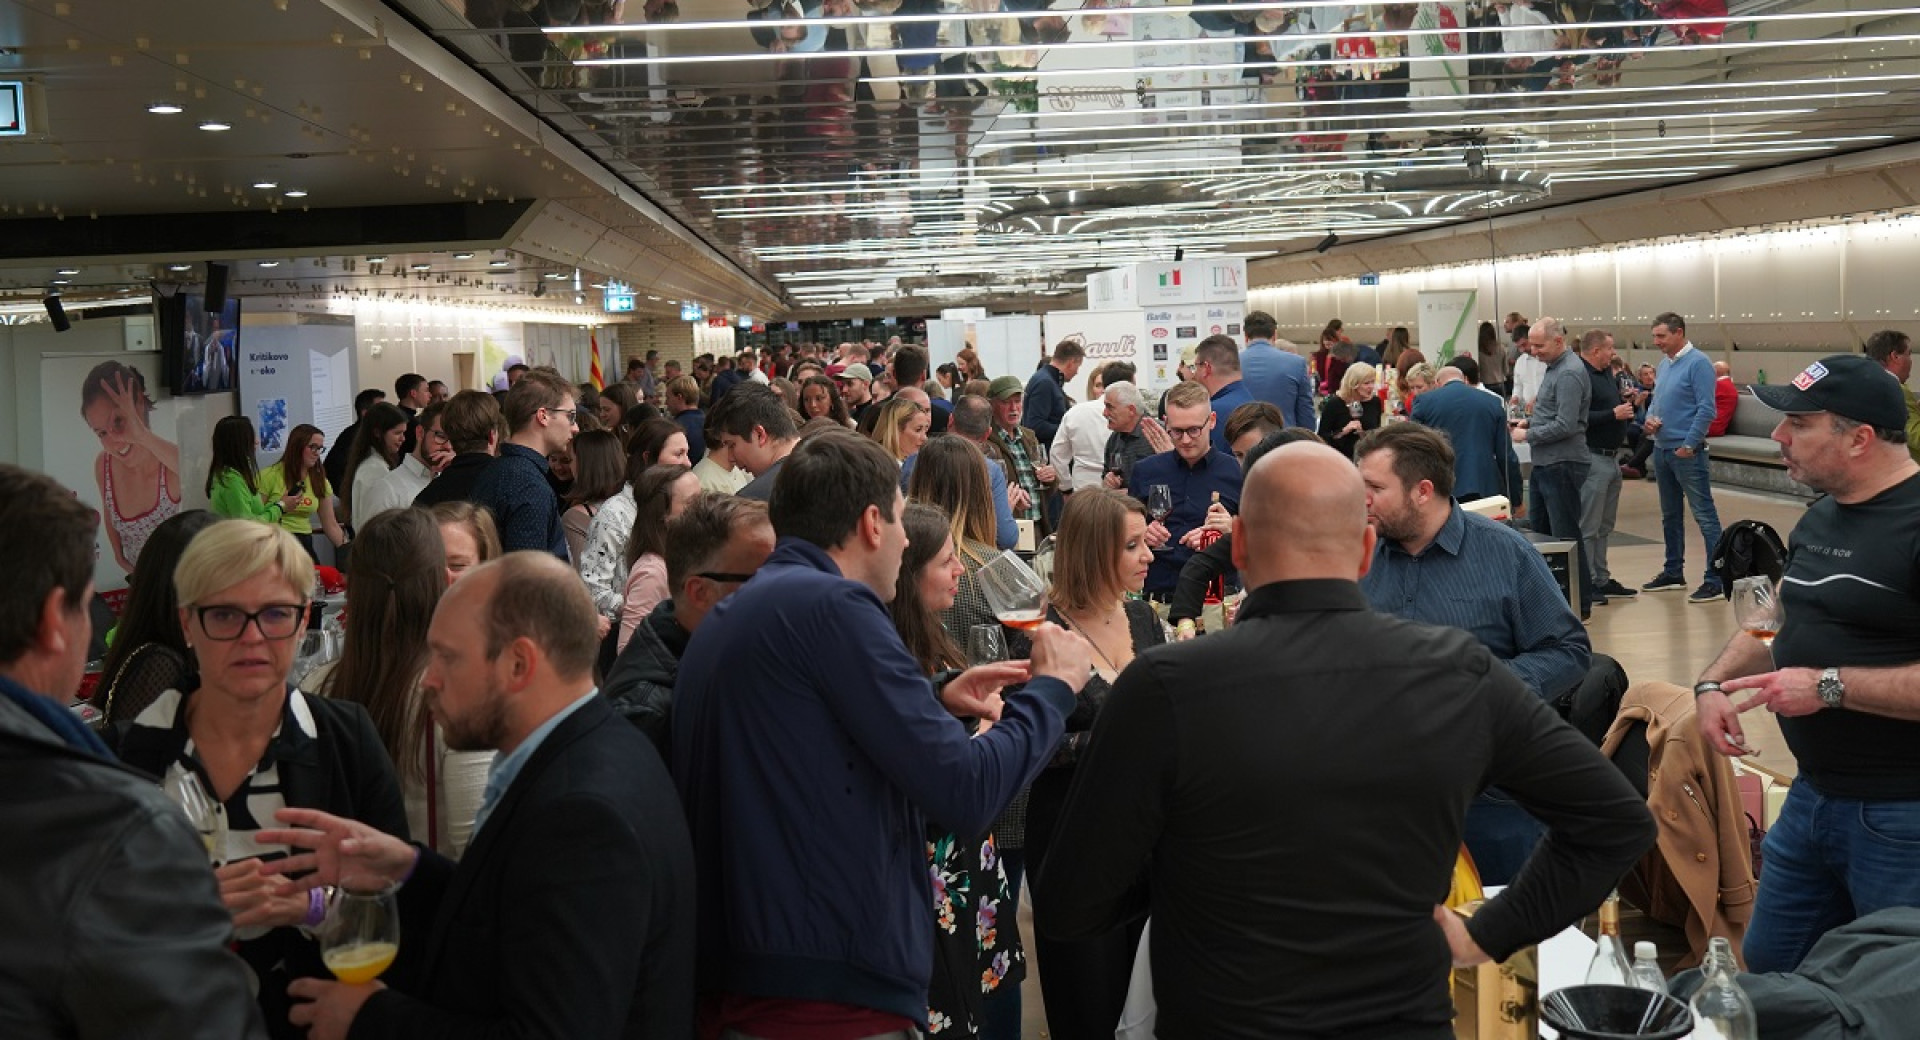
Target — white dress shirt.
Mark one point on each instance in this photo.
(1079, 451)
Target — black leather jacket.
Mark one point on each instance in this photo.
(640, 683)
(114, 923)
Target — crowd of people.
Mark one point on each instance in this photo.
(674, 708)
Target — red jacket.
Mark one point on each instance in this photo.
(1725, 397)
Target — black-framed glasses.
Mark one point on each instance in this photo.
(723, 576)
(1186, 433)
(275, 621)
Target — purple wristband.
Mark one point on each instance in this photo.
(316, 908)
(418, 852)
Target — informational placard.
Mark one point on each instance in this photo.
(1210, 280)
(1113, 335)
(13, 108)
(1446, 322)
(295, 374)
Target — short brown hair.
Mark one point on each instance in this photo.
(1254, 415)
(541, 599)
(1189, 394)
(1117, 372)
(477, 519)
(1419, 453)
(1068, 349)
(539, 388)
(50, 536)
(1093, 527)
(702, 531)
(469, 419)
(1218, 351)
(826, 485)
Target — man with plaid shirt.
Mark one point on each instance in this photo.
(1018, 451)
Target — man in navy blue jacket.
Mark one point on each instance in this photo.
(1476, 423)
(805, 775)
(1045, 403)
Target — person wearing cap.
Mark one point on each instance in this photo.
(1682, 410)
(1017, 448)
(855, 381)
(1894, 352)
(1045, 397)
(1843, 673)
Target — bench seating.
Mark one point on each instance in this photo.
(1746, 455)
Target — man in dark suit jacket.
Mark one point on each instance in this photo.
(1475, 421)
(571, 914)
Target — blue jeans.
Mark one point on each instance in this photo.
(1829, 861)
(1553, 503)
(1685, 478)
(1500, 835)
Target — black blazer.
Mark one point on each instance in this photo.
(571, 913)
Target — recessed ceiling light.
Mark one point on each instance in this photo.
(62, 281)
(165, 108)
(498, 263)
(422, 267)
(296, 193)
(555, 275)
(269, 263)
(179, 267)
(463, 256)
(68, 270)
(376, 259)
(266, 185)
(214, 126)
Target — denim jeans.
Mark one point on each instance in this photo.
(1599, 508)
(1553, 504)
(1685, 478)
(1500, 835)
(1829, 861)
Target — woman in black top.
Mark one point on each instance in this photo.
(149, 654)
(1101, 562)
(257, 745)
(1351, 412)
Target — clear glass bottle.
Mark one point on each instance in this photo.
(1610, 966)
(1721, 1009)
(1646, 967)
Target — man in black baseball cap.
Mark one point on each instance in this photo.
(1843, 671)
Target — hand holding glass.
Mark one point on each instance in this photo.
(361, 935)
(206, 814)
(1756, 605)
(986, 644)
(1016, 594)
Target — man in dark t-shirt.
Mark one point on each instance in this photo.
(1844, 672)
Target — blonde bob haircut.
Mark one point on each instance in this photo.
(1086, 562)
(1357, 373)
(892, 421)
(233, 551)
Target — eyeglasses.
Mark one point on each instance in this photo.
(1186, 433)
(724, 577)
(275, 621)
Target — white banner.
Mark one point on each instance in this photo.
(1445, 319)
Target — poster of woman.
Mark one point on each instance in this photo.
(137, 472)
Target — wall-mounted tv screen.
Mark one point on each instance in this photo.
(200, 352)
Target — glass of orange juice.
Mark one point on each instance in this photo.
(361, 934)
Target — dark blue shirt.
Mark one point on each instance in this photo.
(1487, 578)
(1193, 487)
(808, 780)
(694, 422)
(523, 504)
(1225, 400)
(1045, 404)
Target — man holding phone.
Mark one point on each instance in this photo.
(1843, 674)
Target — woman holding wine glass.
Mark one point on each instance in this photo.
(977, 949)
(951, 475)
(255, 745)
(1101, 563)
(1354, 410)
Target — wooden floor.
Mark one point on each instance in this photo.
(1653, 636)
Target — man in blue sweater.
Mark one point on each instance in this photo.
(806, 774)
(1678, 419)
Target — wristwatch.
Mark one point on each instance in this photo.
(1832, 691)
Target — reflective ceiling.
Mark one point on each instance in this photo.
(921, 152)
(877, 156)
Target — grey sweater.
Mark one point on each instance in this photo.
(1558, 428)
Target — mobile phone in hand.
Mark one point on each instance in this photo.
(299, 488)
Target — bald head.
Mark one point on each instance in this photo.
(1448, 374)
(916, 395)
(548, 606)
(1303, 514)
(1720, 370)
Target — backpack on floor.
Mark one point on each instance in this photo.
(1747, 549)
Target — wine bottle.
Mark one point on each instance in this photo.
(1646, 967)
(1610, 966)
(1721, 1009)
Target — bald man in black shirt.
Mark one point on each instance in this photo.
(1291, 819)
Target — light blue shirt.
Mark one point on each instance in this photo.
(506, 768)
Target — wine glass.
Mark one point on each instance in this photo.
(1756, 605)
(361, 934)
(1159, 504)
(986, 644)
(208, 816)
(1016, 594)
